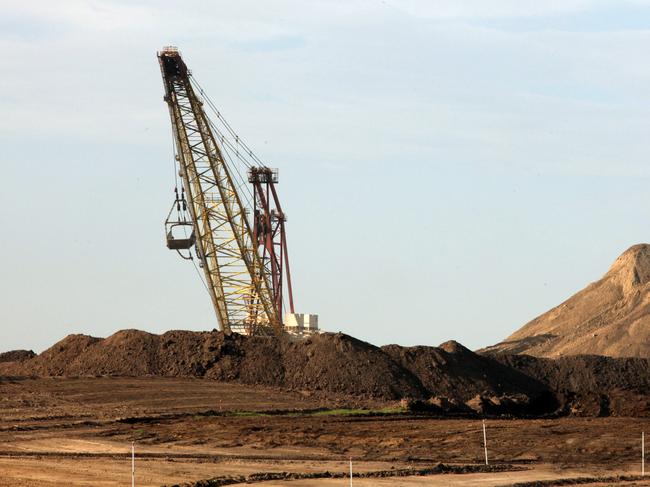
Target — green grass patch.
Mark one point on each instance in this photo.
(359, 412)
(319, 412)
(253, 414)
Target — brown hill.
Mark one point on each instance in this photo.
(449, 378)
(590, 385)
(609, 317)
(327, 363)
(451, 370)
(16, 355)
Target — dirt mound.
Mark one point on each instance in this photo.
(342, 363)
(590, 385)
(333, 363)
(461, 380)
(16, 355)
(60, 358)
(609, 317)
(451, 370)
(446, 379)
(327, 363)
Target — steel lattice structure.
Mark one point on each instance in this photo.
(269, 232)
(237, 281)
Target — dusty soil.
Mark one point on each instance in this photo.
(609, 317)
(591, 385)
(16, 355)
(331, 363)
(75, 432)
(449, 378)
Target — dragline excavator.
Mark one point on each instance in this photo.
(235, 230)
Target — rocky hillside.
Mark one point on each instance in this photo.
(609, 317)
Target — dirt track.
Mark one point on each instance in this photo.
(78, 432)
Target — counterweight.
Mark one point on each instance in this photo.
(235, 274)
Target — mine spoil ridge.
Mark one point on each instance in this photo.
(589, 356)
(449, 379)
(609, 317)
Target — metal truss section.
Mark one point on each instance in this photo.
(269, 233)
(235, 275)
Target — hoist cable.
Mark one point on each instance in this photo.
(225, 123)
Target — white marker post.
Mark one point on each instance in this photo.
(350, 471)
(133, 464)
(643, 453)
(485, 443)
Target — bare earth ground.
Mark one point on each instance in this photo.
(78, 432)
(608, 317)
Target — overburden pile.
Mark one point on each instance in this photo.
(448, 379)
(609, 317)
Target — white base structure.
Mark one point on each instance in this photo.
(301, 324)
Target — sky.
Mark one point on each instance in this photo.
(450, 169)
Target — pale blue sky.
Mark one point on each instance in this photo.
(450, 169)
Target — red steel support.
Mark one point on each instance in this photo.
(270, 234)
